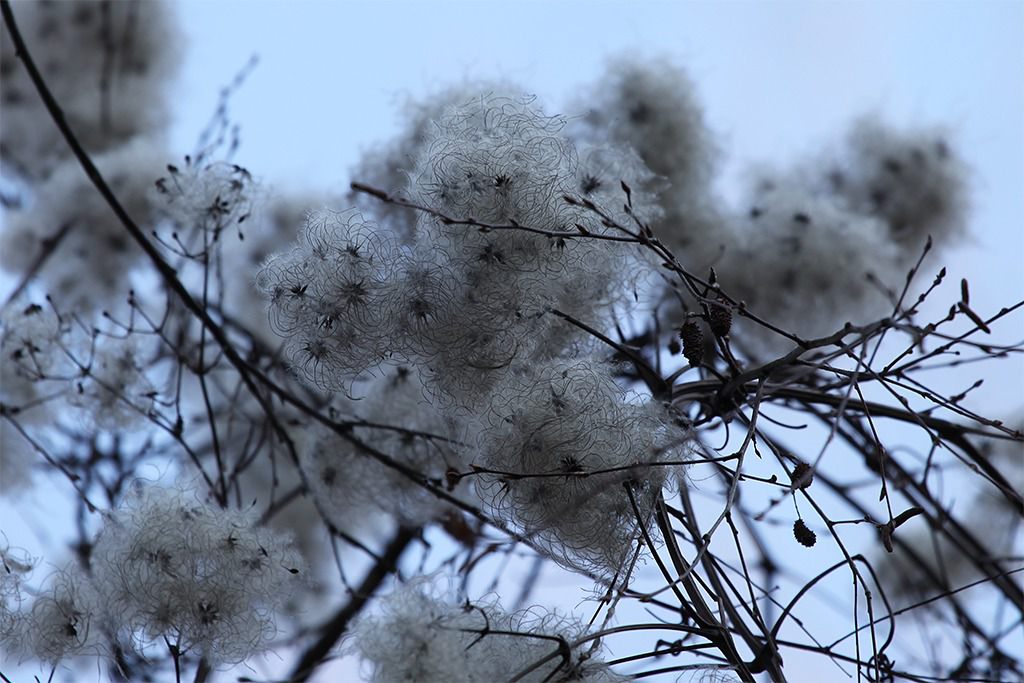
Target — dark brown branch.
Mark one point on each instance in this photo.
(333, 630)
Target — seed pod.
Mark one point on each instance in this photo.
(803, 476)
(803, 535)
(693, 342)
(720, 318)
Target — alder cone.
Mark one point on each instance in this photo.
(803, 535)
(720, 319)
(693, 342)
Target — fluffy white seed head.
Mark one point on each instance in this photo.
(912, 180)
(802, 261)
(501, 160)
(205, 196)
(270, 229)
(328, 298)
(30, 348)
(419, 637)
(14, 568)
(347, 482)
(650, 106)
(388, 166)
(603, 169)
(462, 303)
(799, 250)
(63, 621)
(565, 443)
(115, 393)
(209, 580)
(497, 160)
(33, 369)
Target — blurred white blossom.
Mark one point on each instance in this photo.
(209, 580)
(93, 254)
(418, 637)
(107, 64)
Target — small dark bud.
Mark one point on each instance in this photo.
(803, 535)
(975, 318)
(693, 342)
(905, 515)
